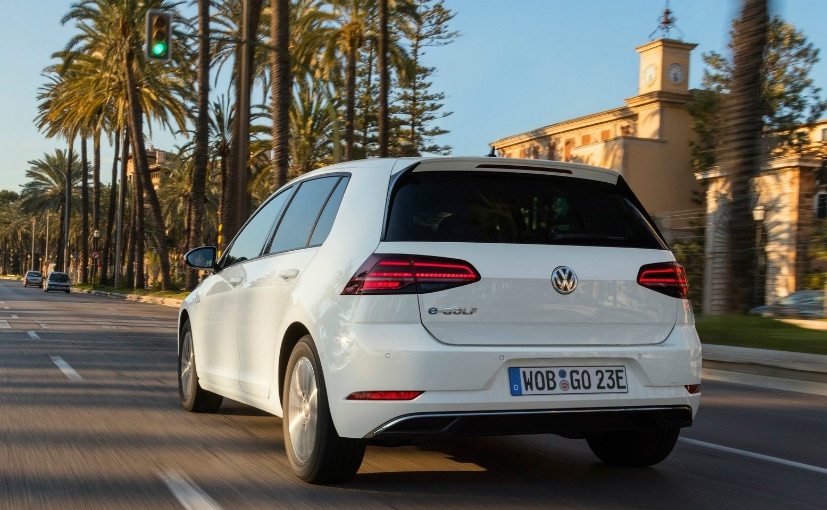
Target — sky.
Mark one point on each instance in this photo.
(518, 65)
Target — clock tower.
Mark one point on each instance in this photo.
(664, 66)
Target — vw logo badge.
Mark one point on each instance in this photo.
(563, 280)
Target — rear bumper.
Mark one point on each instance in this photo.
(416, 428)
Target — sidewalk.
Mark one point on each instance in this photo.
(781, 370)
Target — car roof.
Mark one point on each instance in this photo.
(466, 163)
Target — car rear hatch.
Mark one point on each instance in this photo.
(558, 257)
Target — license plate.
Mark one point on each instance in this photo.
(565, 380)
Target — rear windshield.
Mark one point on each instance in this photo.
(59, 277)
(516, 208)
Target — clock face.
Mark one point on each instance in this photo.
(675, 73)
(649, 74)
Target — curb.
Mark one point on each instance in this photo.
(173, 302)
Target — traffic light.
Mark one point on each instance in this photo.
(158, 31)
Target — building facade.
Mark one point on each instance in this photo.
(789, 202)
(647, 141)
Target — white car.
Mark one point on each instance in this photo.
(393, 301)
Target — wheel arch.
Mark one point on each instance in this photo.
(291, 337)
(182, 319)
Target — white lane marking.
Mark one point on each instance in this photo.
(758, 456)
(66, 369)
(187, 493)
(5, 325)
(33, 335)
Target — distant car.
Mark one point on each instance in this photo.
(57, 281)
(33, 278)
(394, 301)
(802, 304)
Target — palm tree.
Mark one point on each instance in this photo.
(112, 30)
(347, 39)
(45, 191)
(310, 144)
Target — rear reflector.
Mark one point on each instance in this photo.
(693, 389)
(409, 274)
(665, 277)
(384, 395)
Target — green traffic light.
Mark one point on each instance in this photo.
(159, 49)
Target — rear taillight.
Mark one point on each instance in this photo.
(666, 277)
(409, 274)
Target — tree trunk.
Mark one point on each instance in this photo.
(63, 249)
(280, 94)
(141, 166)
(197, 208)
(742, 147)
(350, 99)
(236, 203)
(110, 217)
(382, 64)
(138, 229)
(84, 211)
(96, 200)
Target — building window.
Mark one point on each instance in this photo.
(824, 134)
(587, 139)
(625, 130)
(821, 206)
(605, 135)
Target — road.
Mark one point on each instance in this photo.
(89, 418)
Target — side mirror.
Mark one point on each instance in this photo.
(201, 258)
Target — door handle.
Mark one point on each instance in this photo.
(288, 274)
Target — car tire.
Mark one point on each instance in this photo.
(316, 452)
(633, 448)
(192, 396)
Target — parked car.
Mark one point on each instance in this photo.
(33, 278)
(57, 280)
(394, 301)
(802, 304)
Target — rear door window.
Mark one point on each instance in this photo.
(515, 208)
(307, 213)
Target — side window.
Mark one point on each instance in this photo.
(250, 241)
(325, 222)
(302, 213)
